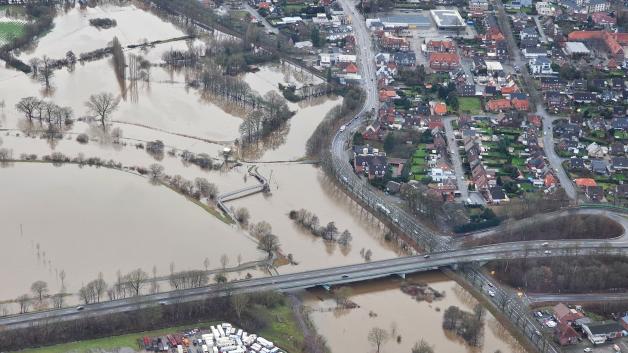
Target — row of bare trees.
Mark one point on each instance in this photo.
(55, 116)
(46, 112)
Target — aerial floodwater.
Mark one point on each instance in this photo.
(65, 224)
(87, 220)
(382, 304)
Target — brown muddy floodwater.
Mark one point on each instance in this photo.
(88, 220)
(295, 186)
(382, 304)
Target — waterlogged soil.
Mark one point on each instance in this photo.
(382, 304)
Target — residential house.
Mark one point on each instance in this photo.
(619, 163)
(438, 108)
(478, 6)
(373, 131)
(584, 97)
(534, 52)
(440, 175)
(393, 43)
(405, 58)
(600, 332)
(440, 46)
(545, 8)
(594, 193)
(549, 83)
(444, 61)
(496, 195)
(498, 105)
(540, 66)
(529, 32)
(619, 124)
(599, 166)
(465, 90)
(566, 335)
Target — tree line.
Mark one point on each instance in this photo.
(249, 311)
(565, 274)
(48, 113)
(578, 226)
(330, 232)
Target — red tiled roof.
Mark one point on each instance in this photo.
(520, 104)
(351, 68)
(449, 58)
(585, 182)
(440, 108)
(497, 104)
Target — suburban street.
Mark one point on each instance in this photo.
(552, 156)
(455, 158)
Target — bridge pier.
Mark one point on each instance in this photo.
(401, 275)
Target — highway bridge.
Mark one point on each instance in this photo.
(325, 277)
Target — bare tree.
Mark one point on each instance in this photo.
(242, 215)
(136, 280)
(377, 337)
(28, 106)
(422, 347)
(156, 171)
(206, 263)
(342, 294)
(24, 302)
(269, 243)
(260, 229)
(46, 72)
(58, 300)
(224, 261)
(239, 302)
(62, 278)
(103, 105)
(100, 286)
(39, 289)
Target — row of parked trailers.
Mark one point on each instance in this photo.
(223, 338)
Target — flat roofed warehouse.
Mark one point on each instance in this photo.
(407, 21)
(448, 19)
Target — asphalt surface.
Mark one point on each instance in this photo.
(323, 277)
(537, 298)
(455, 158)
(552, 156)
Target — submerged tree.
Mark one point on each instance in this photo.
(103, 105)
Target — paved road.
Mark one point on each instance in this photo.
(537, 298)
(455, 158)
(536, 99)
(323, 277)
(260, 18)
(550, 152)
(539, 28)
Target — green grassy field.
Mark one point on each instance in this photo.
(470, 105)
(283, 330)
(109, 343)
(10, 30)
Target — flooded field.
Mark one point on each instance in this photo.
(88, 220)
(295, 186)
(382, 304)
